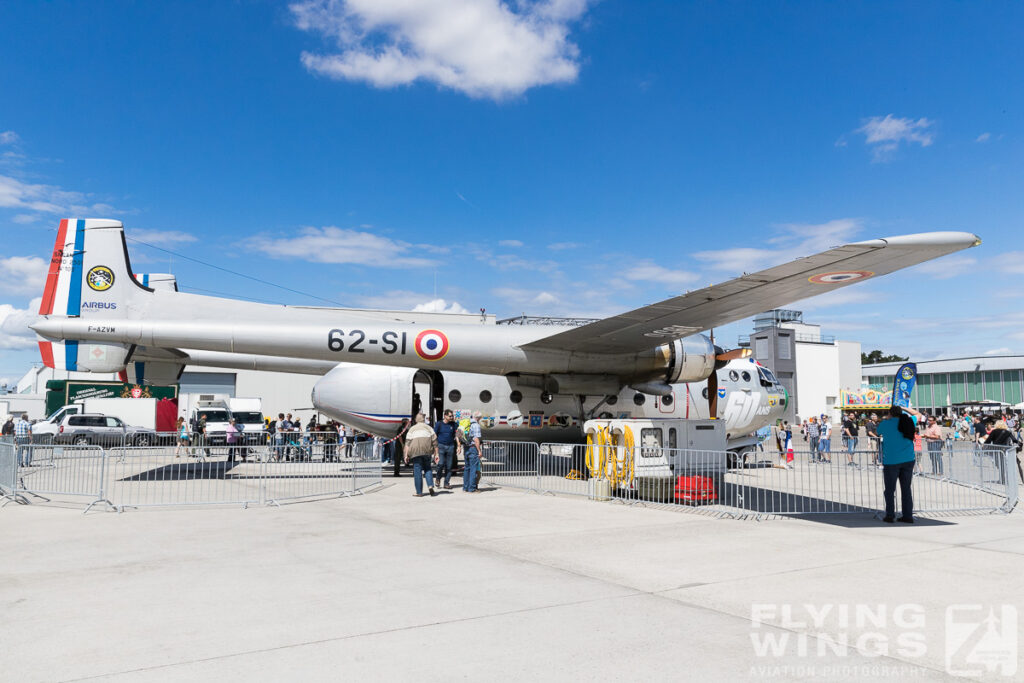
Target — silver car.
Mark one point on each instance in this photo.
(101, 430)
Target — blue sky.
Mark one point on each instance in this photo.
(564, 157)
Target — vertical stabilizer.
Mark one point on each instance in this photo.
(89, 276)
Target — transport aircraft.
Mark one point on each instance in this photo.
(97, 316)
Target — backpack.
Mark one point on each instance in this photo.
(272, 428)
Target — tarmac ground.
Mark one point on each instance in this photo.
(504, 585)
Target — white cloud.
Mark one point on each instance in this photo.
(25, 218)
(794, 240)
(738, 259)
(885, 134)
(161, 236)
(14, 194)
(343, 245)
(14, 322)
(950, 266)
(483, 48)
(1010, 262)
(8, 137)
(439, 306)
(648, 271)
(1001, 351)
(405, 300)
(22, 274)
(545, 298)
(562, 246)
(984, 137)
(510, 243)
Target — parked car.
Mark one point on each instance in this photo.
(101, 430)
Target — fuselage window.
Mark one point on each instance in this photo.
(639, 399)
(485, 396)
(516, 396)
(454, 395)
(667, 400)
(704, 393)
(671, 437)
(746, 376)
(734, 376)
(612, 400)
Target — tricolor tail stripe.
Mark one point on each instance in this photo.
(70, 355)
(46, 351)
(77, 259)
(46, 306)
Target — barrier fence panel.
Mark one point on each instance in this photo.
(511, 464)
(8, 471)
(154, 476)
(53, 472)
(367, 468)
(758, 483)
(316, 471)
(562, 469)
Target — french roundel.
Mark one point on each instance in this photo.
(838, 277)
(431, 345)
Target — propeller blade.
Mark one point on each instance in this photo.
(713, 395)
(735, 354)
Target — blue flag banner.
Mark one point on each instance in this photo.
(906, 377)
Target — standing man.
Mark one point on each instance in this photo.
(825, 442)
(871, 431)
(850, 434)
(445, 431)
(420, 444)
(932, 436)
(471, 466)
(232, 436)
(23, 438)
(279, 436)
(813, 436)
(201, 429)
(8, 430)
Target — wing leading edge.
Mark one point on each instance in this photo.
(755, 293)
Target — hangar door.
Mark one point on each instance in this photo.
(207, 383)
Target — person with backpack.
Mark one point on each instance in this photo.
(471, 466)
(896, 434)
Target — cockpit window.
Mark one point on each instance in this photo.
(767, 378)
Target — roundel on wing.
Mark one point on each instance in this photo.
(431, 345)
(842, 276)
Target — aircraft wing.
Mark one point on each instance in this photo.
(755, 293)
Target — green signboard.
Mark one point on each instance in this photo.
(62, 392)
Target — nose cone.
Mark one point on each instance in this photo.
(361, 396)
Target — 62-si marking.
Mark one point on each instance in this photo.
(390, 341)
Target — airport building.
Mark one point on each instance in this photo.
(958, 384)
(814, 368)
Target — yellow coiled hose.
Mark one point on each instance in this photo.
(596, 446)
(622, 468)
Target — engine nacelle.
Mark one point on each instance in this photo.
(692, 359)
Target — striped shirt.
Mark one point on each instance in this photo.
(22, 428)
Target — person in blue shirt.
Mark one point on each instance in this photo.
(445, 431)
(896, 433)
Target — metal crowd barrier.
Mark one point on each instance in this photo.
(167, 474)
(756, 483)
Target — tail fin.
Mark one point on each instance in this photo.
(89, 276)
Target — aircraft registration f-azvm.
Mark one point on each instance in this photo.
(97, 316)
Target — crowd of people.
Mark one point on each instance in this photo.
(433, 452)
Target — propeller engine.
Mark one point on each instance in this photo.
(722, 357)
